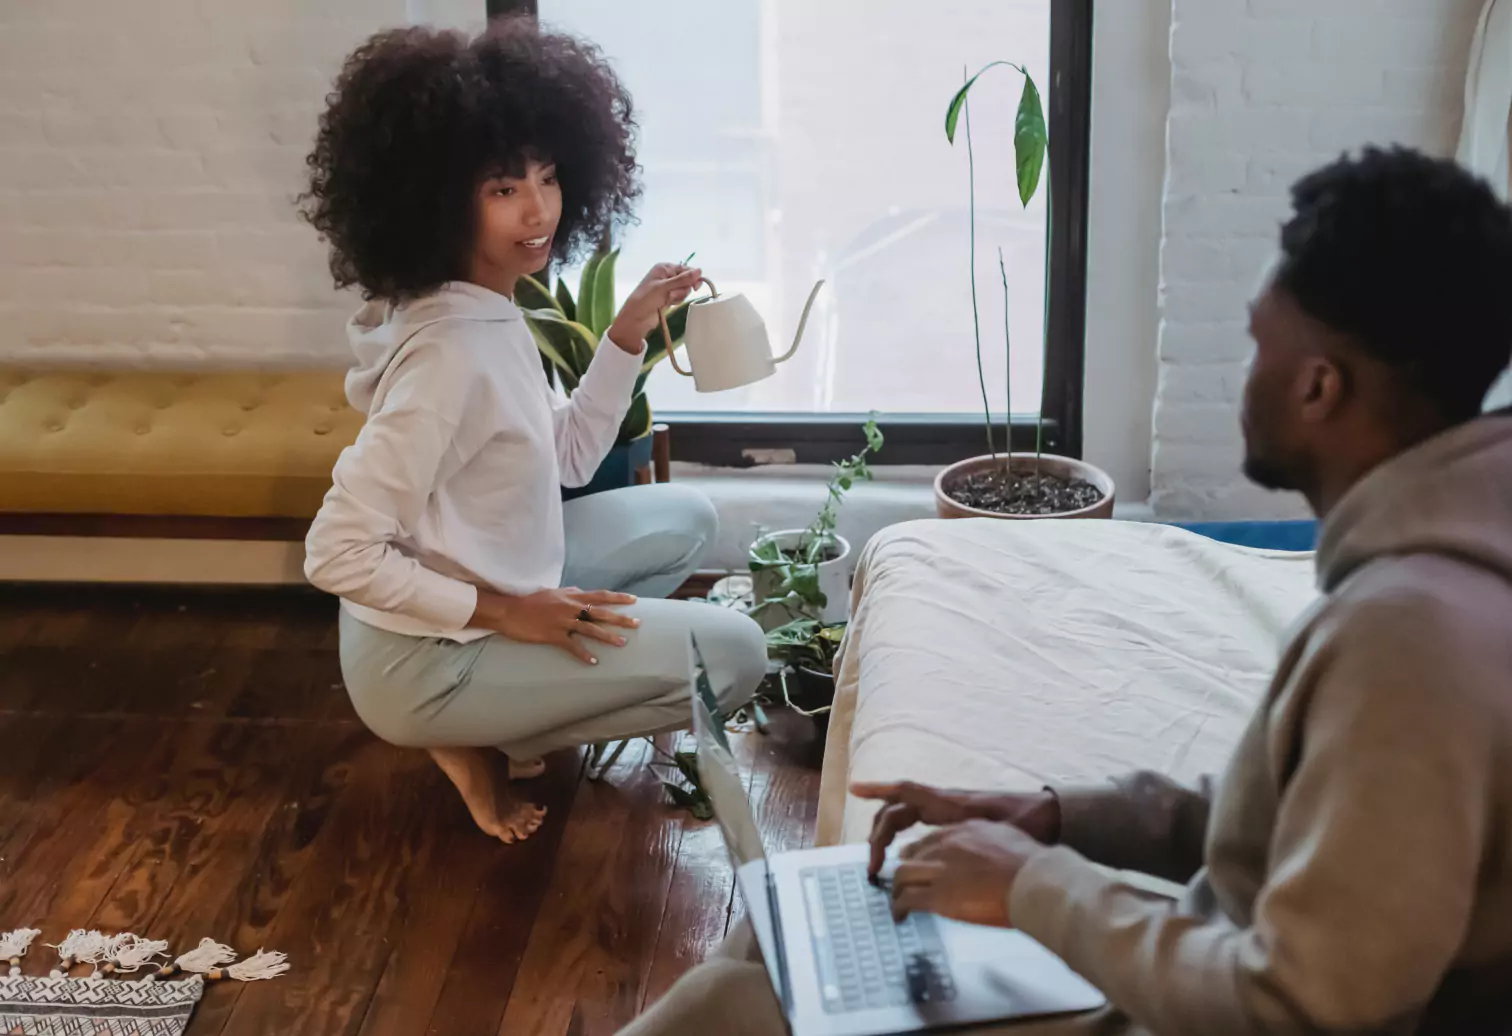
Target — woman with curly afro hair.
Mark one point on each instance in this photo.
(483, 619)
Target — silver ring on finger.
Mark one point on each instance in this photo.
(586, 615)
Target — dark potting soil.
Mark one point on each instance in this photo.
(1023, 492)
(829, 553)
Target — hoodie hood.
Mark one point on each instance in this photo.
(1451, 495)
(380, 331)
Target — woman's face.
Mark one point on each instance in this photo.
(517, 220)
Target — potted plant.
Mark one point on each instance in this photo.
(805, 651)
(801, 586)
(568, 332)
(1014, 485)
(803, 573)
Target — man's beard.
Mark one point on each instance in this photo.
(1268, 473)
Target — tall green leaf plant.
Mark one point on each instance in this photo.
(568, 331)
(1030, 142)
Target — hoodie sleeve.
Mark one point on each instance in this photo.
(1144, 822)
(1372, 867)
(380, 488)
(588, 422)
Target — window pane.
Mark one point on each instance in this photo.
(788, 140)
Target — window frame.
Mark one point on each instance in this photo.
(747, 439)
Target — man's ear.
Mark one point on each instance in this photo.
(1323, 388)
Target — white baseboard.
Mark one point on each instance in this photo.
(81, 559)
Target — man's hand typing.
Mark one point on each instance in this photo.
(906, 804)
(964, 872)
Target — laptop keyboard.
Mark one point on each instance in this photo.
(865, 959)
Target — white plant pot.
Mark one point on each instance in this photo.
(834, 581)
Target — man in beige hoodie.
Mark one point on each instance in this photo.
(1352, 870)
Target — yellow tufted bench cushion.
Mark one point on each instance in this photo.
(237, 445)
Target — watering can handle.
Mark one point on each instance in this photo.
(802, 323)
(667, 333)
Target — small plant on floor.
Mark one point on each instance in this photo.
(1002, 490)
(797, 567)
(686, 789)
(682, 783)
(568, 331)
(804, 647)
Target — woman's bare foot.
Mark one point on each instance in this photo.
(484, 786)
(526, 769)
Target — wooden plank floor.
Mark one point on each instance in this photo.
(186, 763)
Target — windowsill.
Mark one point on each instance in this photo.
(754, 500)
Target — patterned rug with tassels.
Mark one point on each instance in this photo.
(102, 1006)
(96, 1006)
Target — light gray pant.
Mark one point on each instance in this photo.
(731, 995)
(530, 699)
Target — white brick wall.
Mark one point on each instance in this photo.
(150, 152)
(1261, 92)
(149, 157)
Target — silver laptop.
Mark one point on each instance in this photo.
(839, 964)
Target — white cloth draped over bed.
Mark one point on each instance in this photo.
(1001, 654)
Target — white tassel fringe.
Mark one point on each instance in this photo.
(261, 965)
(130, 952)
(80, 947)
(13, 946)
(206, 957)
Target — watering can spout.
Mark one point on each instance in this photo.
(802, 323)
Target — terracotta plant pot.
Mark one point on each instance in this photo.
(1064, 467)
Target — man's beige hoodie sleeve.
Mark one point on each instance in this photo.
(1145, 822)
(1383, 765)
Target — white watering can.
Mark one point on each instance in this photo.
(727, 341)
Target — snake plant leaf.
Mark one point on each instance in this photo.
(532, 294)
(656, 346)
(582, 341)
(574, 342)
(654, 354)
(600, 315)
(564, 300)
(586, 287)
(637, 421)
(1029, 140)
(958, 102)
(554, 340)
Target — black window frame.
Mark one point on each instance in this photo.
(747, 439)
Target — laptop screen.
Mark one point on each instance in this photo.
(721, 775)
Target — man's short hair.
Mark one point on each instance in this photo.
(1411, 257)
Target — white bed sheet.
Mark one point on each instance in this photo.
(998, 654)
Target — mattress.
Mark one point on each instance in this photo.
(998, 654)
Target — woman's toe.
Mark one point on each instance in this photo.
(522, 823)
(526, 769)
